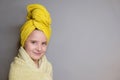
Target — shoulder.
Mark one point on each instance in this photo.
(17, 69)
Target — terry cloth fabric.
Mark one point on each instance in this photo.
(23, 68)
(37, 18)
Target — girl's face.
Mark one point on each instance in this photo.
(36, 45)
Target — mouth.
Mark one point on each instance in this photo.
(36, 53)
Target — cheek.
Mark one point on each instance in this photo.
(44, 49)
(28, 47)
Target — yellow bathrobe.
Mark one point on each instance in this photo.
(23, 68)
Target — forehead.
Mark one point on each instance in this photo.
(37, 35)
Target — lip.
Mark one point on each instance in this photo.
(37, 53)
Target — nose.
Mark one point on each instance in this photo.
(39, 47)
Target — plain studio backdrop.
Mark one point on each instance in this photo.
(85, 42)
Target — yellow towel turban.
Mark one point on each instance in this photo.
(38, 18)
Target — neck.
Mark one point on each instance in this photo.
(36, 63)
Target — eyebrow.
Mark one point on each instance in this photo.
(37, 40)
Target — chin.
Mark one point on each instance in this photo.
(37, 58)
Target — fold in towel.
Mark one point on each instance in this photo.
(23, 68)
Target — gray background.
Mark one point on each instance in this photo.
(85, 43)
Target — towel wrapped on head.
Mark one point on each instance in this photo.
(37, 18)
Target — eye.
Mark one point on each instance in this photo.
(33, 42)
(44, 43)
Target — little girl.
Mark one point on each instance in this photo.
(31, 62)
